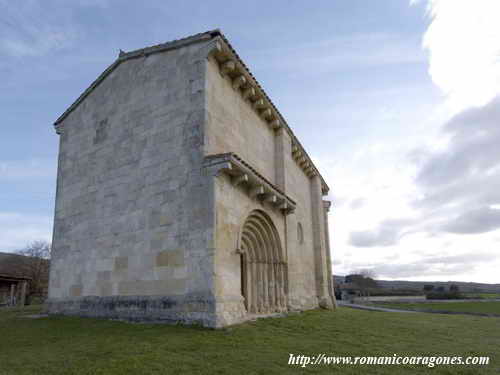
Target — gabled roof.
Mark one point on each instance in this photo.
(124, 56)
(197, 38)
(14, 266)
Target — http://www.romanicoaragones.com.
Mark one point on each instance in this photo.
(322, 359)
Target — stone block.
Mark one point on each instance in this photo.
(105, 288)
(104, 275)
(121, 263)
(170, 258)
(165, 220)
(75, 290)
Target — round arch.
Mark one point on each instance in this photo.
(263, 266)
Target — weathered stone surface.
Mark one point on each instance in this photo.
(150, 225)
(190, 309)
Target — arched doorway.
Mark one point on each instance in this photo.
(263, 266)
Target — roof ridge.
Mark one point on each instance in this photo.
(145, 50)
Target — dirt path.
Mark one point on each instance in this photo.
(372, 308)
(377, 308)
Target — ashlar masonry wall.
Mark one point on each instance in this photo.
(132, 218)
(234, 125)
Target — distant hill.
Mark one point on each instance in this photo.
(419, 285)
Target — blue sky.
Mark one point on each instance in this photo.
(374, 90)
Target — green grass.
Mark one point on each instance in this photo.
(465, 307)
(67, 345)
(483, 295)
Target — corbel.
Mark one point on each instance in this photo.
(297, 153)
(270, 198)
(248, 93)
(286, 208)
(240, 179)
(227, 67)
(239, 81)
(259, 104)
(256, 190)
(275, 124)
(266, 113)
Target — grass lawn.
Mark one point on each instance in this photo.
(483, 295)
(470, 307)
(67, 345)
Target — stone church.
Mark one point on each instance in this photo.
(184, 196)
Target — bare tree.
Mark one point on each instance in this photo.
(364, 279)
(37, 249)
(36, 266)
(428, 288)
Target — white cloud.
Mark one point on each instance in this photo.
(452, 210)
(17, 230)
(33, 28)
(464, 50)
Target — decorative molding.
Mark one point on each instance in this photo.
(257, 186)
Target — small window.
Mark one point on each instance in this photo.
(300, 233)
(101, 131)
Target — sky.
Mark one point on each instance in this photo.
(396, 101)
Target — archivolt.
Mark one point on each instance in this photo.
(263, 265)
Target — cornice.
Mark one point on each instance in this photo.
(242, 173)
